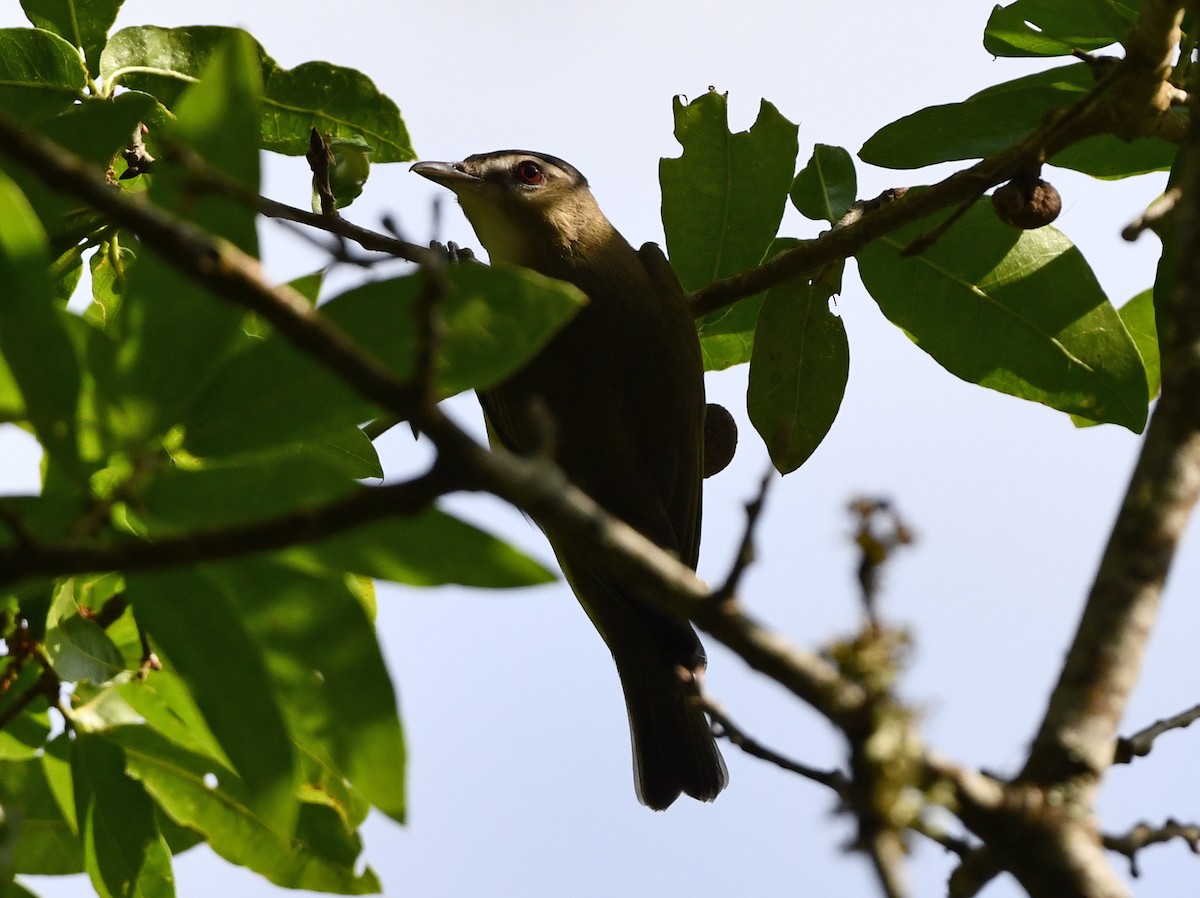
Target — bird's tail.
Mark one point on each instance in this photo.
(674, 751)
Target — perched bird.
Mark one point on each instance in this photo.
(622, 387)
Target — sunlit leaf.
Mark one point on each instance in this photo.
(163, 363)
(202, 633)
(83, 23)
(33, 335)
(206, 797)
(494, 318)
(1053, 28)
(1016, 311)
(723, 199)
(40, 73)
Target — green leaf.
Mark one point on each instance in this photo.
(40, 73)
(224, 493)
(199, 626)
(827, 186)
(1016, 311)
(124, 853)
(494, 319)
(78, 648)
(799, 369)
(1000, 116)
(23, 737)
(350, 166)
(45, 843)
(83, 23)
(95, 130)
(333, 99)
(165, 62)
(164, 364)
(210, 799)
(723, 200)
(12, 406)
(33, 338)
(256, 328)
(110, 267)
(338, 102)
(323, 656)
(429, 549)
(1138, 315)
(1054, 28)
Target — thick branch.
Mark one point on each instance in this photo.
(1079, 730)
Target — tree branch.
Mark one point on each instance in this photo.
(833, 779)
(1144, 835)
(304, 525)
(1139, 744)
(1108, 107)
(1078, 733)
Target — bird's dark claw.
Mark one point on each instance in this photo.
(454, 253)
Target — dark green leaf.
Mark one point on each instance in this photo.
(199, 626)
(996, 118)
(349, 449)
(83, 23)
(209, 798)
(123, 851)
(272, 394)
(429, 549)
(45, 843)
(164, 363)
(827, 186)
(33, 338)
(324, 658)
(338, 102)
(723, 200)
(40, 73)
(1054, 28)
(799, 369)
(1016, 311)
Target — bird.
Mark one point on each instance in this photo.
(622, 387)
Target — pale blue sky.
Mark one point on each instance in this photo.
(519, 781)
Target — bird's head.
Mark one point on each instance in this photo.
(523, 205)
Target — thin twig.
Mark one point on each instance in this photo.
(726, 728)
(1139, 744)
(745, 553)
(304, 525)
(1144, 835)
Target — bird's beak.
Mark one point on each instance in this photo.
(448, 174)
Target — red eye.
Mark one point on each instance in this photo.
(529, 172)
